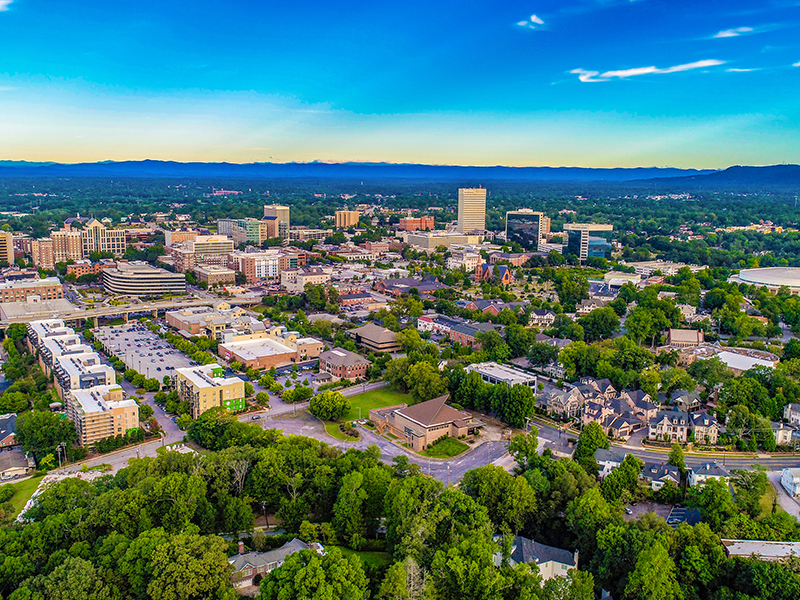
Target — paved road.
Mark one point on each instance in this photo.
(787, 503)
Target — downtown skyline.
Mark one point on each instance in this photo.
(592, 83)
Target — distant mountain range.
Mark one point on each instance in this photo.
(320, 170)
(738, 175)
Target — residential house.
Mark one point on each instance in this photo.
(704, 427)
(706, 472)
(567, 403)
(670, 426)
(247, 565)
(791, 412)
(790, 480)
(588, 305)
(8, 430)
(782, 432)
(656, 475)
(542, 318)
(551, 561)
(343, 364)
(608, 460)
(603, 387)
(13, 463)
(422, 424)
(685, 400)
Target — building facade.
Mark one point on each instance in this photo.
(471, 209)
(101, 412)
(206, 386)
(141, 279)
(526, 227)
(584, 245)
(416, 223)
(49, 288)
(345, 219)
(281, 216)
(343, 364)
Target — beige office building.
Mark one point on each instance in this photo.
(281, 214)
(96, 237)
(101, 412)
(7, 247)
(344, 219)
(471, 209)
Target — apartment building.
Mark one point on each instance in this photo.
(206, 386)
(304, 234)
(43, 253)
(49, 288)
(344, 219)
(266, 265)
(67, 244)
(101, 412)
(80, 372)
(51, 348)
(176, 237)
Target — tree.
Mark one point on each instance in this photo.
(576, 585)
(249, 390)
(519, 405)
(73, 579)
(425, 382)
(190, 567)
(145, 412)
(395, 584)
(409, 339)
(467, 571)
(654, 577)
(676, 457)
(39, 432)
(348, 513)
(184, 421)
(306, 575)
(541, 355)
(600, 324)
(329, 405)
(591, 439)
(524, 448)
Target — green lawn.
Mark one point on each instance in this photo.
(374, 559)
(766, 501)
(374, 399)
(447, 448)
(24, 491)
(332, 427)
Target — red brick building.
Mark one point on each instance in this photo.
(343, 364)
(415, 223)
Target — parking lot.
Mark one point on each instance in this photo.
(680, 514)
(142, 350)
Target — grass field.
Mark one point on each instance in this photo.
(374, 399)
(374, 559)
(24, 491)
(766, 501)
(332, 427)
(447, 448)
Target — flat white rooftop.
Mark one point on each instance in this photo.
(201, 376)
(254, 349)
(505, 373)
(92, 401)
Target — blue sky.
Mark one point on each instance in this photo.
(584, 82)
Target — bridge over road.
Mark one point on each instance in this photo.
(126, 310)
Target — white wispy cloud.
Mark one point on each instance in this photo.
(727, 33)
(732, 70)
(797, 64)
(4, 4)
(535, 22)
(596, 76)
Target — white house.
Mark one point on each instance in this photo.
(608, 460)
(791, 412)
(708, 471)
(552, 562)
(790, 480)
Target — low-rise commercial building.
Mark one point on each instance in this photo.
(493, 373)
(206, 386)
(213, 275)
(101, 412)
(87, 267)
(422, 424)
(343, 364)
(375, 338)
(49, 288)
(685, 338)
(141, 279)
(271, 348)
(296, 280)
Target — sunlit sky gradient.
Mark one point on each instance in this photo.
(596, 83)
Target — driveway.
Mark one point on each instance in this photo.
(786, 502)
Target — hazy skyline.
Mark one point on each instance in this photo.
(595, 83)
